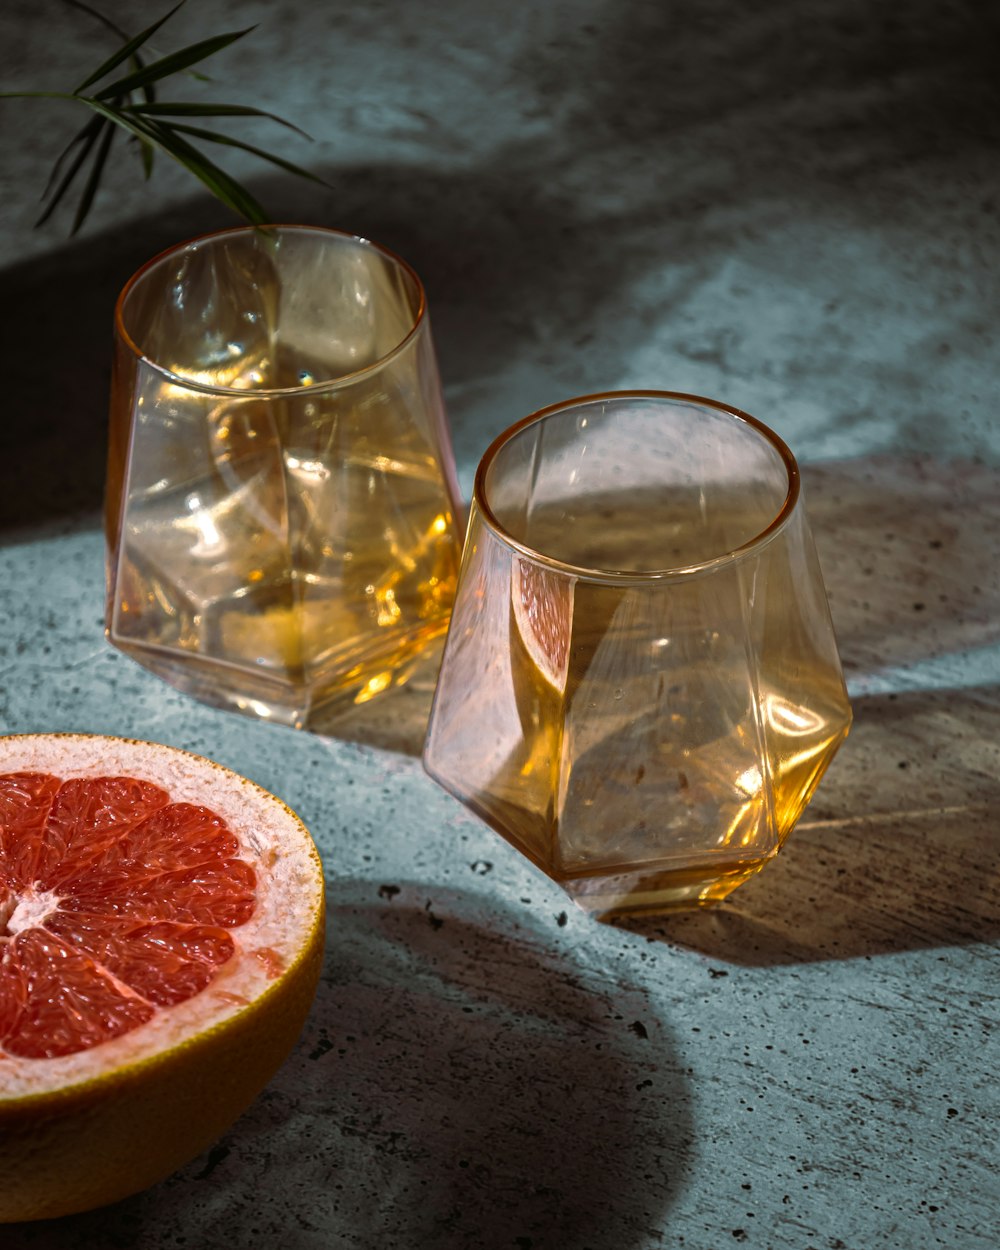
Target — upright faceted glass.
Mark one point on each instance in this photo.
(281, 497)
(640, 687)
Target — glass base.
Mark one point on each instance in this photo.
(659, 891)
(607, 893)
(291, 703)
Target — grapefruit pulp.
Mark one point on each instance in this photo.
(161, 936)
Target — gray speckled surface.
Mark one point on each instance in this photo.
(791, 207)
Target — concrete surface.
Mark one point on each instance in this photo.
(792, 207)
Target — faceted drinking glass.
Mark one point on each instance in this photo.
(640, 687)
(281, 496)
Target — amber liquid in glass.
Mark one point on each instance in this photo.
(317, 561)
(646, 735)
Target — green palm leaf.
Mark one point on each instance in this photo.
(126, 51)
(171, 64)
(146, 120)
(89, 131)
(89, 137)
(214, 137)
(222, 185)
(146, 154)
(175, 108)
(93, 179)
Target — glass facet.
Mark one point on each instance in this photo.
(281, 497)
(640, 687)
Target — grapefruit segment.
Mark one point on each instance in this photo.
(210, 893)
(161, 934)
(165, 962)
(25, 799)
(13, 993)
(87, 815)
(69, 1002)
(177, 836)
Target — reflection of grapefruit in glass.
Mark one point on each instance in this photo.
(161, 934)
(542, 603)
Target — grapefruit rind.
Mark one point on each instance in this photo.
(85, 1129)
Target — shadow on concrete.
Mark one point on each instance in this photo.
(493, 246)
(907, 547)
(463, 1084)
(657, 120)
(794, 84)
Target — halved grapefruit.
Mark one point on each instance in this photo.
(161, 937)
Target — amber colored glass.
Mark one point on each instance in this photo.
(640, 687)
(281, 496)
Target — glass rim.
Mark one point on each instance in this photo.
(630, 576)
(268, 392)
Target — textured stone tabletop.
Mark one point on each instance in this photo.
(791, 207)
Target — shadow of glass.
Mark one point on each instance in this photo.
(908, 548)
(459, 1084)
(899, 849)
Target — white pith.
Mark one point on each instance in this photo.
(289, 893)
(31, 908)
